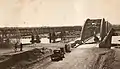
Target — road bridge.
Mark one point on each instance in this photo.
(101, 27)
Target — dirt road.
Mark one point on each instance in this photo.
(82, 57)
(116, 64)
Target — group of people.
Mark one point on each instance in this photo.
(16, 46)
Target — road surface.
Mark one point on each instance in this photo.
(82, 57)
(116, 64)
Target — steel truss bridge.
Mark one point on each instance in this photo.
(98, 27)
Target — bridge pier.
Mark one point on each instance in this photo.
(33, 39)
(62, 35)
(52, 36)
(37, 39)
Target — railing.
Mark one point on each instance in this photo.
(106, 32)
(106, 42)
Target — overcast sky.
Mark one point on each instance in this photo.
(56, 12)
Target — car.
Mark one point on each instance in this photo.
(57, 55)
(78, 42)
(72, 44)
(62, 50)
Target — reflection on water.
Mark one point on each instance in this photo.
(43, 40)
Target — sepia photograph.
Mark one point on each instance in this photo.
(59, 34)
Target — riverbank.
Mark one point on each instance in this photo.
(23, 59)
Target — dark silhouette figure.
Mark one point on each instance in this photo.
(15, 47)
(21, 46)
(96, 39)
(50, 38)
(54, 37)
(32, 40)
(37, 39)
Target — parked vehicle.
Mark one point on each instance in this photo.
(57, 55)
(67, 48)
(78, 42)
(62, 50)
(72, 44)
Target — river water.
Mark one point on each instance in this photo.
(43, 40)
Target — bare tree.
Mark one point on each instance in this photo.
(9, 36)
